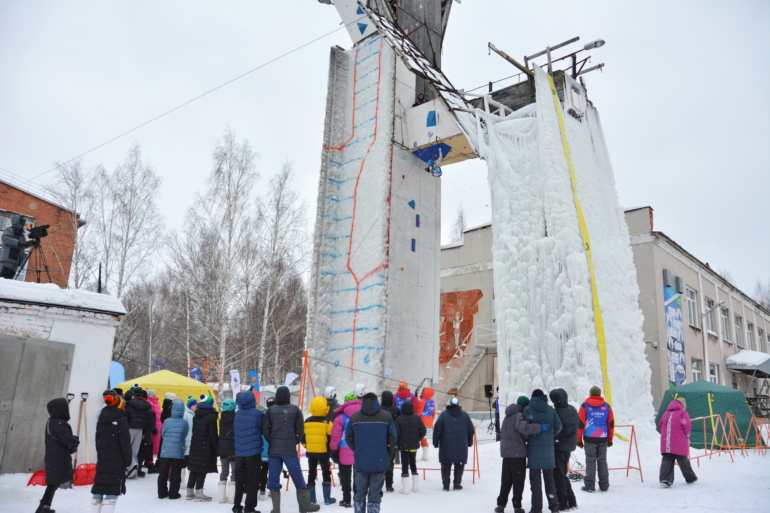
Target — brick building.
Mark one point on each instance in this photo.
(62, 235)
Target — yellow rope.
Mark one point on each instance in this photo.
(587, 245)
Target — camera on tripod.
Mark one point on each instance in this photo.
(38, 232)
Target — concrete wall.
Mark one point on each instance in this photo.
(91, 333)
(654, 252)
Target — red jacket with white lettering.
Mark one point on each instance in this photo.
(597, 422)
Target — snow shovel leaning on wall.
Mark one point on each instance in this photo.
(84, 473)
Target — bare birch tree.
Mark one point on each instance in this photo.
(458, 228)
(127, 221)
(73, 190)
(283, 250)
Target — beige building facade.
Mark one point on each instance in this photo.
(693, 318)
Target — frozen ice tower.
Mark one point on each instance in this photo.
(565, 282)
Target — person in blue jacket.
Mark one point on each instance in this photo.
(171, 455)
(372, 436)
(248, 452)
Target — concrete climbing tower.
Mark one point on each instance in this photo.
(374, 292)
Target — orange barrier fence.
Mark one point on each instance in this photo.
(633, 447)
(717, 427)
(476, 469)
(760, 445)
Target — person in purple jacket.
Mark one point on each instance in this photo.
(674, 430)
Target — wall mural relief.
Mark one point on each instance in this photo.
(456, 323)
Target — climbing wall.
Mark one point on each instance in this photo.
(565, 282)
(370, 313)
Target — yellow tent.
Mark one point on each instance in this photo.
(167, 381)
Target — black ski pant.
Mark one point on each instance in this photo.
(408, 461)
(667, 468)
(563, 484)
(596, 456)
(313, 464)
(48, 495)
(247, 473)
(264, 470)
(389, 474)
(346, 475)
(446, 471)
(196, 480)
(537, 490)
(513, 476)
(175, 466)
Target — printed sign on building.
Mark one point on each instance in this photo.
(674, 337)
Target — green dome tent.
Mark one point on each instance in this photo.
(705, 398)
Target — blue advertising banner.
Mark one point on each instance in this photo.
(672, 302)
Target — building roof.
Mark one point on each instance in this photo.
(38, 196)
(48, 294)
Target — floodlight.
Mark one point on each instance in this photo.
(594, 44)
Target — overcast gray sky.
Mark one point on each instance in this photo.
(683, 98)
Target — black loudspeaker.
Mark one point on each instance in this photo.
(488, 391)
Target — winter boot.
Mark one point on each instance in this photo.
(345, 504)
(665, 484)
(328, 499)
(231, 492)
(457, 487)
(96, 506)
(237, 509)
(303, 499)
(312, 493)
(276, 498)
(223, 492)
(44, 508)
(199, 497)
(108, 505)
(425, 453)
(587, 489)
(500, 509)
(360, 507)
(190, 494)
(415, 483)
(404, 485)
(373, 507)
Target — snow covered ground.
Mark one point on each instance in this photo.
(722, 486)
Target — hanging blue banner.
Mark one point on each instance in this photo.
(196, 374)
(254, 380)
(117, 374)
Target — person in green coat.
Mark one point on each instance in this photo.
(540, 450)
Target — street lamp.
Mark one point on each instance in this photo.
(594, 44)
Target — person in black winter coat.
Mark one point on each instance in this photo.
(60, 443)
(410, 429)
(203, 448)
(386, 403)
(564, 443)
(113, 454)
(452, 435)
(283, 426)
(226, 450)
(141, 425)
(513, 449)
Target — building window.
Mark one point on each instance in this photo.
(738, 331)
(749, 335)
(714, 373)
(709, 315)
(692, 307)
(696, 366)
(760, 338)
(725, 324)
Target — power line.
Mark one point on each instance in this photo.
(198, 97)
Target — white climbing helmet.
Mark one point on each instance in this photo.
(330, 393)
(360, 390)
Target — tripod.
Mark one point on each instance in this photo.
(36, 250)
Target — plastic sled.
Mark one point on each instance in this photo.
(38, 478)
(84, 474)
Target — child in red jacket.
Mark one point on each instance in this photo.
(595, 432)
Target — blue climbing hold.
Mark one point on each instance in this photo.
(362, 27)
(412, 204)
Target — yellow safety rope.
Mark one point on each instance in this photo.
(587, 245)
